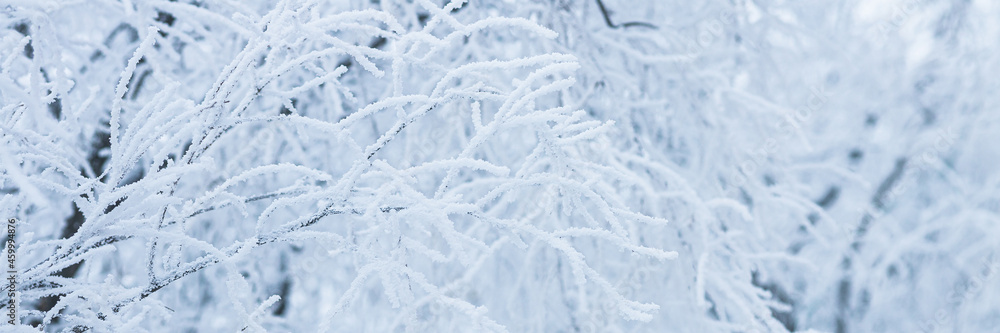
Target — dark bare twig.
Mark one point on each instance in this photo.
(607, 19)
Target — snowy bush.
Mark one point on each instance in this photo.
(531, 165)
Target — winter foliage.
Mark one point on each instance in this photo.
(508, 166)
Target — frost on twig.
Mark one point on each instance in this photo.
(420, 180)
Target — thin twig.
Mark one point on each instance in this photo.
(607, 19)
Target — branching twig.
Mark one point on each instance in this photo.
(607, 19)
